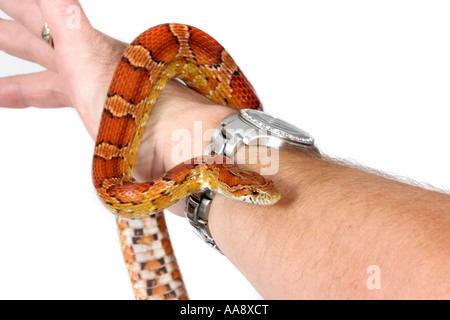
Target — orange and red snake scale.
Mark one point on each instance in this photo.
(151, 60)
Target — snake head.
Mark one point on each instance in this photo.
(247, 186)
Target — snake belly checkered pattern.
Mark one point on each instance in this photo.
(152, 59)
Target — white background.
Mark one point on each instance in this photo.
(370, 80)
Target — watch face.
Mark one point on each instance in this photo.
(276, 126)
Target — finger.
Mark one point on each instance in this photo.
(67, 21)
(16, 40)
(27, 12)
(42, 90)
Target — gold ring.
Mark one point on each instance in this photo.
(47, 36)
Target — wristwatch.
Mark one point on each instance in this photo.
(249, 127)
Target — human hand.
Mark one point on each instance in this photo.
(79, 70)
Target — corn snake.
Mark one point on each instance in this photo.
(151, 60)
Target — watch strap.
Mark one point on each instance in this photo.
(197, 212)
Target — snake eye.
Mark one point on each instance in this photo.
(255, 192)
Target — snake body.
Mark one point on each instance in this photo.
(151, 60)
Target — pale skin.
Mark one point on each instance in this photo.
(333, 221)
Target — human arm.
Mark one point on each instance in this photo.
(333, 222)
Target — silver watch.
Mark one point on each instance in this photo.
(249, 127)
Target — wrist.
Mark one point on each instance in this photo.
(241, 141)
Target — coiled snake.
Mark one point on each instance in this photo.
(152, 59)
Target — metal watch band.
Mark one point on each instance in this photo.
(198, 204)
(197, 212)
